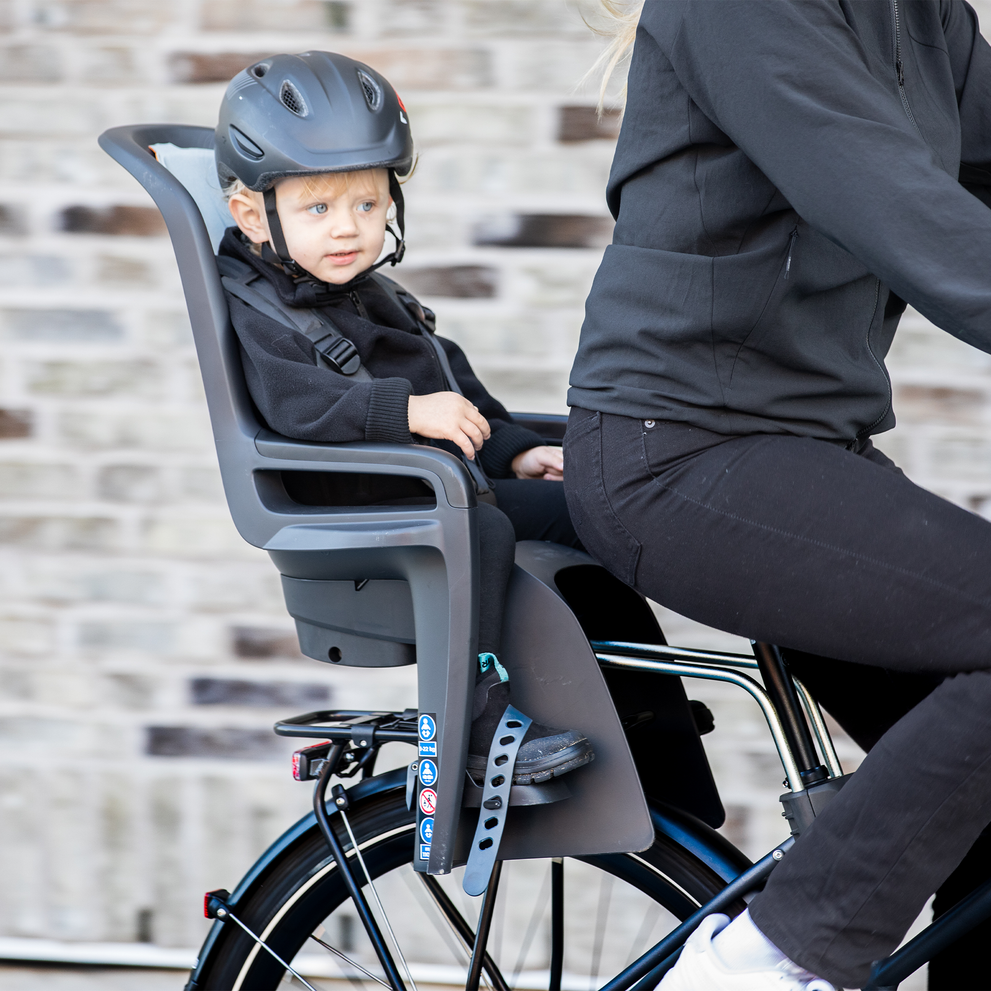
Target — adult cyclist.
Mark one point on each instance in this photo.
(789, 176)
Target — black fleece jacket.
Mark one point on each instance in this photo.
(787, 175)
(298, 398)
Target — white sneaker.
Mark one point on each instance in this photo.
(699, 969)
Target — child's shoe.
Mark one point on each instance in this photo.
(700, 967)
(545, 752)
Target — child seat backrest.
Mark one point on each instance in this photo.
(432, 548)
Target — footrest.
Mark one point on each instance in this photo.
(495, 800)
(555, 790)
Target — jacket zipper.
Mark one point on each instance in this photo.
(356, 302)
(792, 239)
(899, 65)
(887, 406)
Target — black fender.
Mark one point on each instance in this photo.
(681, 827)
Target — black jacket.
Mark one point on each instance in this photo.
(787, 174)
(299, 399)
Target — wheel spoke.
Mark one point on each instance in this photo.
(601, 920)
(642, 938)
(531, 930)
(377, 900)
(343, 956)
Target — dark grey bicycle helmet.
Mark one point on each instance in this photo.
(291, 115)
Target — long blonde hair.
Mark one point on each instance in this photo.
(621, 27)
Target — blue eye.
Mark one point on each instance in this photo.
(367, 206)
(318, 208)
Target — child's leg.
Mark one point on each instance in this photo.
(536, 509)
(496, 551)
(545, 752)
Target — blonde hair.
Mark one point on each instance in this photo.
(621, 27)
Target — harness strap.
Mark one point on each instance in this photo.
(427, 321)
(333, 348)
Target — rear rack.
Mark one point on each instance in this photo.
(360, 728)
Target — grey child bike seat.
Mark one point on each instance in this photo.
(377, 548)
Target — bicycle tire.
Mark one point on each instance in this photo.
(304, 888)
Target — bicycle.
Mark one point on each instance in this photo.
(379, 569)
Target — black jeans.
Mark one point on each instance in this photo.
(529, 509)
(829, 554)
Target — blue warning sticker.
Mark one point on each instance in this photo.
(428, 748)
(428, 772)
(424, 851)
(427, 727)
(427, 829)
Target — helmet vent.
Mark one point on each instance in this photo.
(292, 99)
(371, 89)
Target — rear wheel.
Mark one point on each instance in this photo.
(615, 906)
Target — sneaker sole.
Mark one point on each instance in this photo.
(538, 771)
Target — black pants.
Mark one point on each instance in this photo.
(829, 554)
(529, 509)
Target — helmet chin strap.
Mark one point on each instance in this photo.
(291, 266)
(275, 230)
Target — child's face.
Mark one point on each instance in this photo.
(334, 224)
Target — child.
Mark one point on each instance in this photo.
(308, 150)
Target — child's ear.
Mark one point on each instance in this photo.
(249, 217)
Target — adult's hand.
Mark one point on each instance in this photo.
(540, 462)
(448, 416)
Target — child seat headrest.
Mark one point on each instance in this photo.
(196, 169)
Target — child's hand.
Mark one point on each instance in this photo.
(540, 462)
(448, 416)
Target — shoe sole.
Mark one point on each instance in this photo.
(539, 771)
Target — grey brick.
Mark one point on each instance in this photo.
(580, 123)
(257, 642)
(201, 485)
(61, 326)
(11, 220)
(58, 533)
(146, 637)
(26, 635)
(130, 221)
(545, 230)
(130, 483)
(106, 64)
(21, 64)
(230, 743)
(458, 281)
(210, 67)
(15, 423)
(37, 480)
(430, 68)
(115, 271)
(28, 270)
(106, 16)
(257, 694)
(262, 15)
(941, 404)
(523, 17)
(96, 378)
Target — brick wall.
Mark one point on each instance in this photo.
(145, 648)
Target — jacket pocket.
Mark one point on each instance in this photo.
(767, 312)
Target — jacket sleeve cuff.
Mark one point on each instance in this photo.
(388, 412)
(498, 451)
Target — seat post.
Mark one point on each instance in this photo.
(779, 686)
